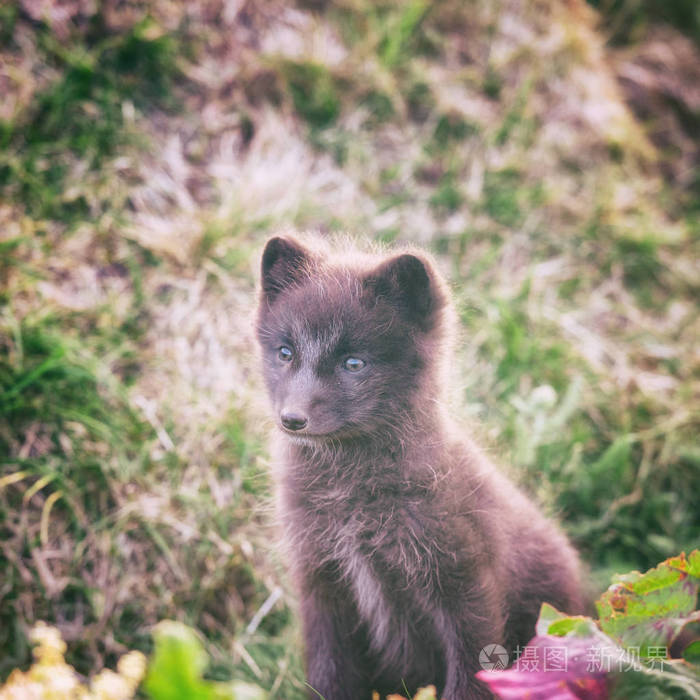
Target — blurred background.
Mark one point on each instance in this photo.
(546, 151)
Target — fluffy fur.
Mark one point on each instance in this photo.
(410, 551)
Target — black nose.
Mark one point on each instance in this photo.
(293, 421)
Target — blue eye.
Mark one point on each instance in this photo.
(353, 364)
(285, 354)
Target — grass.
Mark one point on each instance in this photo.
(625, 20)
(76, 121)
(143, 164)
(313, 92)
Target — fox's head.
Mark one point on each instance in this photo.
(347, 345)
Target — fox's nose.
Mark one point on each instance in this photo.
(292, 420)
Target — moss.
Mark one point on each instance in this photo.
(502, 196)
(313, 92)
(452, 128)
(420, 101)
(447, 198)
(379, 105)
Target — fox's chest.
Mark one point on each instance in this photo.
(376, 556)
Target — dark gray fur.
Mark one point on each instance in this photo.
(410, 551)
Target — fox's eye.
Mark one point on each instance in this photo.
(354, 364)
(285, 354)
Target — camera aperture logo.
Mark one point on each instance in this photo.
(493, 657)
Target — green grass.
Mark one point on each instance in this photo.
(625, 20)
(79, 440)
(134, 483)
(313, 91)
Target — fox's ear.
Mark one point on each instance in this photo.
(410, 284)
(283, 263)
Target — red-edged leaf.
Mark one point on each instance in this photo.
(559, 668)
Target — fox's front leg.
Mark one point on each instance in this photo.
(463, 638)
(461, 683)
(335, 667)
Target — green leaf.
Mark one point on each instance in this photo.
(553, 622)
(175, 671)
(650, 610)
(177, 665)
(548, 615)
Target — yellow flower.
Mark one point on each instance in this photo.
(20, 687)
(51, 678)
(108, 685)
(50, 647)
(132, 666)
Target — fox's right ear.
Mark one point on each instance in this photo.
(283, 263)
(408, 282)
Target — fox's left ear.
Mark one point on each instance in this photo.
(283, 263)
(411, 284)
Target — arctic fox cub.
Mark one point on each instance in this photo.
(410, 551)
